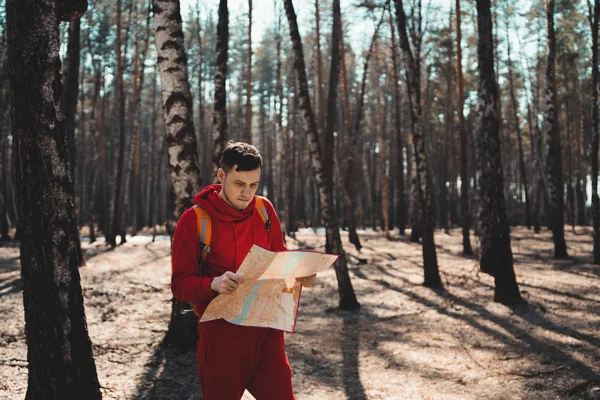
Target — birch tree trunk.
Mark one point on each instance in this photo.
(346, 291)
(554, 159)
(412, 65)
(496, 254)
(59, 351)
(180, 141)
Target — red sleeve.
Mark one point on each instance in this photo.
(277, 243)
(186, 284)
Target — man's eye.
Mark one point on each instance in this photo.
(240, 184)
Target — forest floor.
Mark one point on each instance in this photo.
(405, 342)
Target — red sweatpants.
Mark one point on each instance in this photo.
(232, 358)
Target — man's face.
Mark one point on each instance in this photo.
(238, 187)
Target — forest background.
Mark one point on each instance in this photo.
(440, 128)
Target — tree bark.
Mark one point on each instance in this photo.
(248, 128)
(59, 351)
(554, 159)
(401, 205)
(180, 141)
(220, 113)
(517, 128)
(320, 92)
(116, 202)
(383, 155)
(133, 167)
(347, 192)
(595, 136)
(496, 254)
(412, 65)
(464, 158)
(346, 291)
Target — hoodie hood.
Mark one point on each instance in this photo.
(212, 203)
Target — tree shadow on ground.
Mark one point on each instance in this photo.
(170, 374)
(350, 350)
(517, 338)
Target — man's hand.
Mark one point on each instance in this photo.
(226, 283)
(307, 281)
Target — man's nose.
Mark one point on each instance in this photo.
(246, 192)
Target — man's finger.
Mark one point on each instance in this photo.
(234, 277)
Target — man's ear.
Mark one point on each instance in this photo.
(220, 175)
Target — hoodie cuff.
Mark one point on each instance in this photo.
(205, 291)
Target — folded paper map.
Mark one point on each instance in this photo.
(270, 294)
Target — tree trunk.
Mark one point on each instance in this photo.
(220, 113)
(116, 205)
(320, 91)
(70, 96)
(595, 135)
(383, 154)
(554, 159)
(496, 254)
(334, 244)
(138, 120)
(59, 351)
(133, 168)
(180, 141)
(464, 163)
(517, 128)
(412, 65)
(401, 206)
(347, 192)
(351, 156)
(248, 128)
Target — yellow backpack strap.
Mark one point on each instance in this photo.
(204, 231)
(262, 210)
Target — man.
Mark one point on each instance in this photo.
(231, 358)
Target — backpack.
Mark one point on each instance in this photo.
(205, 232)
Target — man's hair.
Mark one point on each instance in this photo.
(244, 155)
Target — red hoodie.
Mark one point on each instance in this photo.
(233, 234)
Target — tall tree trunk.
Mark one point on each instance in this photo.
(180, 141)
(59, 351)
(70, 96)
(334, 244)
(382, 154)
(401, 206)
(320, 92)
(496, 254)
(554, 160)
(517, 128)
(71, 87)
(220, 134)
(116, 205)
(412, 65)
(352, 157)
(595, 136)
(464, 158)
(248, 128)
(347, 192)
(447, 176)
(4, 147)
(133, 167)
